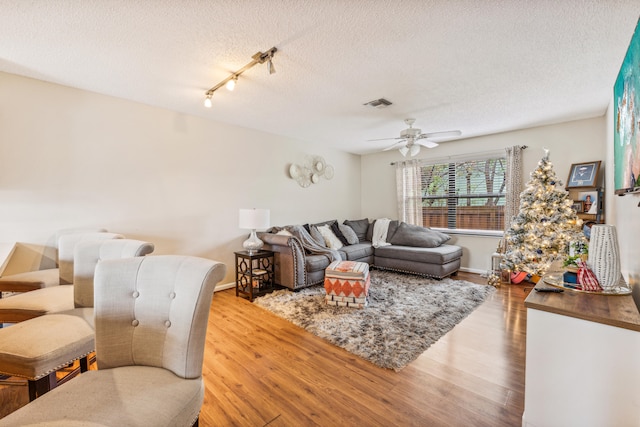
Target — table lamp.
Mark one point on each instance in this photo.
(253, 219)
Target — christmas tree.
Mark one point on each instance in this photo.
(545, 226)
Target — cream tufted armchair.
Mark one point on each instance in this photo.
(151, 319)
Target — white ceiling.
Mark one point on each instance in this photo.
(480, 66)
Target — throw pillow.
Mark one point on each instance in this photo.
(416, 236)
(317, 237)
(331, 221)
(330, 239)
(336, 230)
(360, 227)
(349, 234)
(284, 232)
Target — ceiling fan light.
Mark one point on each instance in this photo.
(404, 151)
(231, 84)
(415, 149)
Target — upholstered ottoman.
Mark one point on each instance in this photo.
(347, 284)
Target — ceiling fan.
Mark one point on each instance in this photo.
(414, 139)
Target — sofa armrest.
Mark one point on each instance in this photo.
(289, 259)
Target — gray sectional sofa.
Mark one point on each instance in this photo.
(412, 249)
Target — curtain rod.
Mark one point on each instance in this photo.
(460, 156)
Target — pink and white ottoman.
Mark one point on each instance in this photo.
(347, 284)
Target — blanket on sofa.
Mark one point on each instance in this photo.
(380, 230)
(310, 245)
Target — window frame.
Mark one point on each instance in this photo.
(452, 165)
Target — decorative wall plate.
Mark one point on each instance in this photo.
(294, 171)
(319, 164)
(328, 172)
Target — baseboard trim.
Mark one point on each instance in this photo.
(224, 286)
(473, 270)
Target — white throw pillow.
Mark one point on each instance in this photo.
(329, 237)
(284, 232)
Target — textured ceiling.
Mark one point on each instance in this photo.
(478, 66)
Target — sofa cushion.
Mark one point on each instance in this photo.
(416, 236)
(350, 236)
(360, 227)
(356, 252)
(439, 255)
(316, 262)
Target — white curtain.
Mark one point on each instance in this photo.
(409, 191)
(513, 184)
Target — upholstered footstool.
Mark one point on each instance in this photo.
(347, 284)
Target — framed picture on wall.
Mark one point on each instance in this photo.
(582, 175)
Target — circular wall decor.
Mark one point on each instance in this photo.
(294, 171)
(328, 172)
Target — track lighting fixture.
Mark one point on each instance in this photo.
(230, 82)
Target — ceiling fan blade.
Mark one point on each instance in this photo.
(428, 144)
(391, 147)
(384, 139)
(445, 134)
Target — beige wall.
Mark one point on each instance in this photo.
(72, 158)
(570, 142)
(625, 215)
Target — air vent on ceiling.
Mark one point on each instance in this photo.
(379, 103)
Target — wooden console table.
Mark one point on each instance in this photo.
(582, 365)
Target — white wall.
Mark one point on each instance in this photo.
(570, 142)
(624, 212)
(72, 158)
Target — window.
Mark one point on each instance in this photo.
(462, 194)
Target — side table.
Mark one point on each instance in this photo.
(254, 273)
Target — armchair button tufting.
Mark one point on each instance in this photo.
(167, 323)
(136, 294)
(172, 295)
(135, 322)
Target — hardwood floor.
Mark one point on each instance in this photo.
(261, 370)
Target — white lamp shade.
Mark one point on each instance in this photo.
(254, 219)
(415, 149)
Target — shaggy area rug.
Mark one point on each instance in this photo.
(406, 314)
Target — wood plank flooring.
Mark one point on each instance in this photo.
(261, 370)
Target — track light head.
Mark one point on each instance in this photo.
(270, 67)
(207, 100)
(231, 84)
